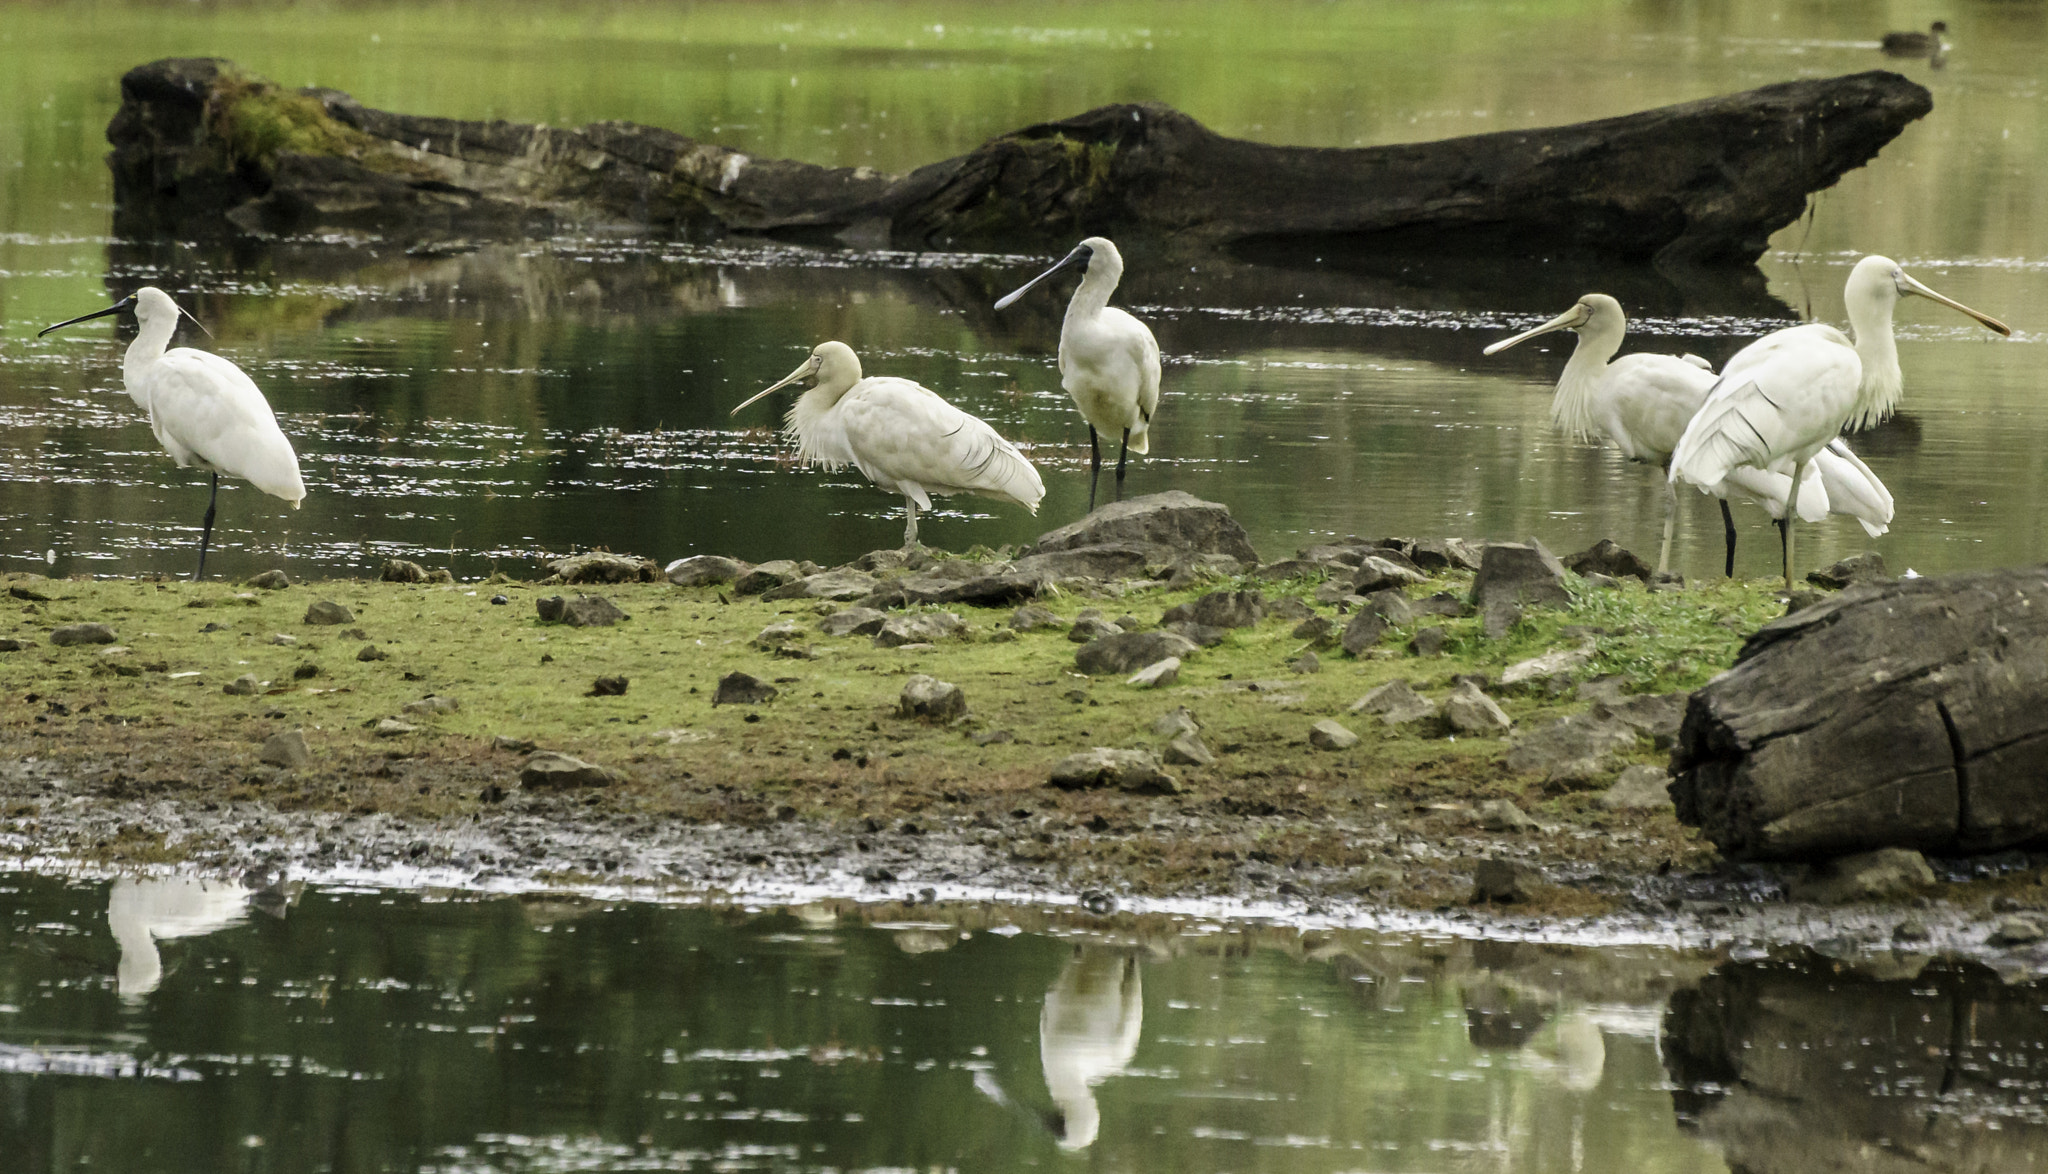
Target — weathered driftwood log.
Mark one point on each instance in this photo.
(197, 139)
(1910, 714)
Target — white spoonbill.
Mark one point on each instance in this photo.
(900, 435)
(1787, 395)
(1641, 403)
(204, 411)
(1109, 361)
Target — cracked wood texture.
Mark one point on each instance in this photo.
(198, 146)
(1911, 714)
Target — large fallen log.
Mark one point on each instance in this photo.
(199, 144)
(1911, 714)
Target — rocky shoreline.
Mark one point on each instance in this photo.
(1126, 716)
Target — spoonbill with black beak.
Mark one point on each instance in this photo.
(203, 409)
(900, 435)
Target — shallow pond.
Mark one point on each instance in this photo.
(477, 410)
(174, 1024)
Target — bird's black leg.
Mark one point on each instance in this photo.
(1123, 454)
(206, 527)
(1094, 466)
(1728, 527)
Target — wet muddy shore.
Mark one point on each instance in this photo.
(424, 712)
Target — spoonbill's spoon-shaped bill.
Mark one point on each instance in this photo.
(1109, 361)
(900, 435)
(204, 410)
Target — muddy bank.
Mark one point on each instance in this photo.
(1322, 776)
(200, 145)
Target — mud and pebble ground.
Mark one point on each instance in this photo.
(423, 708)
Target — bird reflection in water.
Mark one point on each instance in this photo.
(1087, 1032)
(144, 912)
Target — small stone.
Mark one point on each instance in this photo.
(1397, 703)
(500, 600)
(287, 749)
(1910, 930)
(1865, 876)
(1287, 607)
(1501, 815)
(1469, 711)
(1497, 617)
(82, 634)
(1428, 641)
(607, 687)
(282, 640)
(774, 636)
(326, 611)
(703, 569)
(370, 652)
(1307, 663)
(1318, 631)
(1364, 631)
(1220, 609)
(2016, 931)
(1032, 617)
(1188, 749)
(1203, 635)
(271, 581)
(929, 699)
(766, 576)
(738, 688)
(1128, 770)
(1176, 722)
(1157, 675)
(1330, 735)
(245, 685)
(391, 727)
(1379, 573)
(927, 628)
(514, 745)
(1857, 568)
(12, 645)
(550, 771)
(1504, 881)
(584, 611)
(1606, 558)
(1092, 628)
(1129, 652)
(398, 570)
(992, 737)
(1640, 788)
(305, 672)
(854, 621)
(430, 705)
(1539, 671)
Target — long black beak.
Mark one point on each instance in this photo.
(1080, 253)
(127, 303)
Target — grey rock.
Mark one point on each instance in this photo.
(398, 570)
(1397, 703)
(1118, 655)
(1865, 876)
(1299, 568)
(550, 771)
(854, 621)
(924, 628)
(992, 737)
(10, 644)
(842, 586)
(1428, 641)
(1547, 671)
(1469, 711)
(584, 611)
(1606, 558)
(1445, 554)
(1107, 563)
(613, 686)
(704, 569)
(431, 706)
(1579, 746)
(1911, 930)
(1158, 675)
(1289, 608)
(1190, 569)
(287, 749)
(326, 611)
(775, 635)
(2017, 931)
(1188, 749)
(1363, 631)
(602, 566)
(737, 688)
(512, 744)
(1032, 617)
(245, 685)
(930, 699)
(1220, 609)
(1443, 603)
(283, 641)
(1501, 815)
(1504, 882)
(1391, 605)
(271, 581)
(1328, 734)
(1176, 722)
(1526, 575)
(1172, 524)
(71, 634)
(1203, 635)
(1640, 788)
(1307, 662)
(1658, 716)
(391, 727)
(1088, 629)
(1377, 572)
(1498, 617)
(1319, 631)
(370, 652)
(1857, 568)
(1126, 770)
(765, 576)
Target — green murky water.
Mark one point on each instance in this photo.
(171, 1024)
(477, 410)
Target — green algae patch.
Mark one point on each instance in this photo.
(256, 120)
(428, 700)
